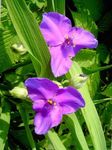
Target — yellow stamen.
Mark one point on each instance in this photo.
(50, 101)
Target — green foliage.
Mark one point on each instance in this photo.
(88, 60)
(84, 20)
(103, 54)
(29, 33)
(90, 114)
(56, 5)
(7, 38)
(76, 132)
(24, 53)
(4, 122)
(95, 7)
(108, 91)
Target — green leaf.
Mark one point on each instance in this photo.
(55, 140)
(25, 117)
(56, 5)
(95, 7)
(84, 20)
(86, 58)
(103, 53)
(108, 91)
(7, 38)
(90, 114)
(40, 3)
(89, 62)
(76, 132)
(4, 123)
(29, 33)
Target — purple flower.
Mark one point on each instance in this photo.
(51, 102)
(64, 41)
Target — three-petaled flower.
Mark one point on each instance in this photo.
(51, 102)
(64, 41)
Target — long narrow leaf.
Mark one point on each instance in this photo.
(55, 140)
(76, 132)
(56, 5)
(25, 118)
(29, 33)
(90, 114)
(4, 123)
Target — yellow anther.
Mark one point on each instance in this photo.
(50, 101)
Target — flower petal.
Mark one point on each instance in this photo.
(42, 123)
(69, 99)
(56, 115)
(40, 88)
(59, 63)
(38, 105)
(46, 119)
(54, 27)
(82, 38)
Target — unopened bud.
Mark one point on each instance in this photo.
(18, 47)
(78, 80)
(19, 92)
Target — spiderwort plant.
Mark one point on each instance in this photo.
(51, 102)
(64, 41)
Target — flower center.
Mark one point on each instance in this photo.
(68, 41)
(51, 102)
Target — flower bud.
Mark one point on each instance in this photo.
(19, 92)
(78, 80)
(18, 47)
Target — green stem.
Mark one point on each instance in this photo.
(102, 100)
(91, 71)
(25, 118)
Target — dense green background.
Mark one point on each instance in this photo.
(89, 128)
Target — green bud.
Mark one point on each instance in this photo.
(78, 80)
(18, 47)
(19, 92)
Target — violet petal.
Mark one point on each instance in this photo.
(38, 105)
(69, 99)
(54, 27)
(40, 88)
(82, 38)
(47, 119)
(59, 64)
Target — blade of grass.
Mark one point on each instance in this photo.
(59, 6)
(90, 114)
(4, 123)
(29, 33)
(25, 118)
(76, 132)
(55, 140)
(90, 71)
(56, 5)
